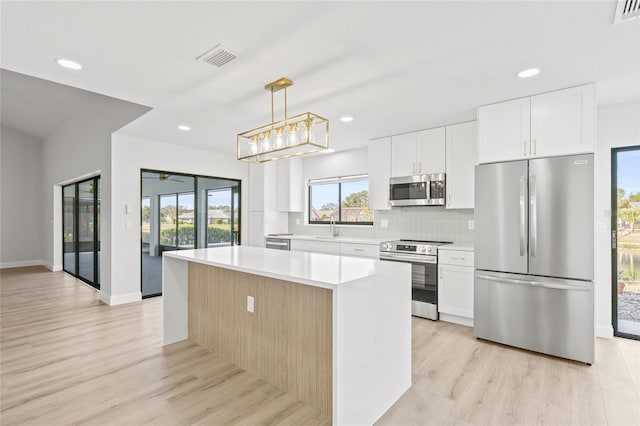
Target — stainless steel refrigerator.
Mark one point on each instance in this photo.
(534, 255)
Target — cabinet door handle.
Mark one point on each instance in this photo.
(457, 258)
(535, 147)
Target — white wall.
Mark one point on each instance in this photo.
(78, 148)
(128, 156)
(21, 199)
(618, 126)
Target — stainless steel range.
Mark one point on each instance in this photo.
(423, 257)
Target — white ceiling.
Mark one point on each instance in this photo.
(393, 66)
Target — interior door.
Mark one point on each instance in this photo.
(501, 217)
(561, 217)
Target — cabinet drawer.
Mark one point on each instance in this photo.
(315, 246)
(360, 250)
(455, 257)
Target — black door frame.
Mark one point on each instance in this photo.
(614, 241)
(76, 231)
(197, 202)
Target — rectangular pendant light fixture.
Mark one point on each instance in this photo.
(298, 135)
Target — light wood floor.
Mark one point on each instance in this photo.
(67, 359)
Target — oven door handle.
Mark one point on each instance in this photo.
(408, 258)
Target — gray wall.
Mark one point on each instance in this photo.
(21, 199)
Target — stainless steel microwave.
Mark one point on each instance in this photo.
(417, 190)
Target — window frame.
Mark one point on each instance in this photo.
(339, 180)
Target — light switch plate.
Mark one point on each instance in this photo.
(472, 224)
(250, 303)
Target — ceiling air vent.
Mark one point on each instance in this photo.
(626, 9)
(219, 55)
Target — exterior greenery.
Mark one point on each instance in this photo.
(186, 235)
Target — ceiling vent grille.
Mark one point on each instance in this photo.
(220, 55)
(627, 9)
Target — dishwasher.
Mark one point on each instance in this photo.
(278, 243)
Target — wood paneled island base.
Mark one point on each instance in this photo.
(334, 332)
(286, 341)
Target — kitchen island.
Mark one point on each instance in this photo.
(334, 331)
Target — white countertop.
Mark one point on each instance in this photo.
(457, 247)
(316, 269)
(329, 239)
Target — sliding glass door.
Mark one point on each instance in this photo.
(81, 241)
(180, 212)
(625, 255)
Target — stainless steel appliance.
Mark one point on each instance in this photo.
(277, 243)
(417, 190)
(534, 255)
(423, 257)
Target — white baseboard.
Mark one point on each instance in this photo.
(604, 330)
(51, 267)
(120, 299)
(22, 263)
(456, 319)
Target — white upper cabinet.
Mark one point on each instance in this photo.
(289, 196)
(379, 173)
(421, 152)
(504, 131)
(563, 122)
(461, 159)
(256, 187)
(403, 155)
(430, 154)
(550, 124)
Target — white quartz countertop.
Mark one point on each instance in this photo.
(316, 269)
(457, 247)
(329, 239)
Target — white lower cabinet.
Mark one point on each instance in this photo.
(327, 247)
(455, 286)
(337, 248)
(359, 250)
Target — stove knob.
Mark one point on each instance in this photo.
(423, 249)
(429, 249)
(386, 246)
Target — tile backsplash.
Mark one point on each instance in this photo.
(422, 223)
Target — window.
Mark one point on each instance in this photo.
(345, 199)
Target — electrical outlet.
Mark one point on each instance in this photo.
(250, 303)
(472, 224)
(384, 223)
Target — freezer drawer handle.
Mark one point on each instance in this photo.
(534, 283)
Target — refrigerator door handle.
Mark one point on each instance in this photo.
(533, 212)
(523, 238)
(534, 283)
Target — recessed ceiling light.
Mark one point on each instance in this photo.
(529, 72)
(68, 63)
(346, 119)
(184, 127)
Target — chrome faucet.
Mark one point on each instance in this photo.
(332, 226)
